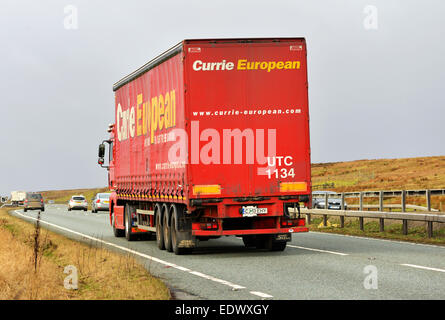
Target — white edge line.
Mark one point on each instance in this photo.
(261, 294)
(422, 267)
(318, 250)
(196, 273)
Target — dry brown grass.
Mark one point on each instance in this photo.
(385, 174)
(102, 274)
(62, 196)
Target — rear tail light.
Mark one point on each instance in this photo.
(98, 201)
(207, 225)
(41, 200)
(26, 201)
(293, 222)
(287, 223)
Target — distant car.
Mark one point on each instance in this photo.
(78, 202)
(319, 201)
(100, 202)
(33, 200)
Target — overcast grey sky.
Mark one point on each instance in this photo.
(375, 91)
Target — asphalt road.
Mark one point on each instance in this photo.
(313, 266)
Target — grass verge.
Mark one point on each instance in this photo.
(33, 261)
(417, 231)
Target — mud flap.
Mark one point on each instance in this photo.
(283, 237)
(185, 239)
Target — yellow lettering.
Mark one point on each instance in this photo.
(154, 113)
(167, 111)
(161, 112)
(144, 118)
(241, 64)
(138, 116)
(173, 104)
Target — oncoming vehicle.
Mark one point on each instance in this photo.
(319, 200)
(33, 200)
(100, 202)
(78, 202)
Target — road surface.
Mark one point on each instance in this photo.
(313, 266)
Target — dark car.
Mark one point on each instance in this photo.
(319, 200)
(33, 200)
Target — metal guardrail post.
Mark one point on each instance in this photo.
(361, 222)
(428, 199)
(430, 229)
(403, 200)
(381, 201)
(326, 201)
(343, 201)
(405, 227)
(342, 221)
(361, 201)
(382, 224)
(325, 220)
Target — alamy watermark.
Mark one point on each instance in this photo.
(371, 280)
(371, 21)
(70, 21)
(71, 281)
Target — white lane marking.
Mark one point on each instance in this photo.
(422, 267)
(196, 273)
(261, 294)
(378, 239)
(319, 250)
(227, 283)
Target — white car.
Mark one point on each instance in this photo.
(78, 202)
(100, 202)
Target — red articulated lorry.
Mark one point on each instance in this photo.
(211, 139)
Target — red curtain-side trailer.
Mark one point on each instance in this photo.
(211, 139)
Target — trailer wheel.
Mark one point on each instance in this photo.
(278, 246)
(175, 237)
(129, 235)
(249, 241)
(167, 230)
(159, 231)
(272, 245)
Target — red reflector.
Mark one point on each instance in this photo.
(301, 223)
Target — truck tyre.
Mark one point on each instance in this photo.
(25, 209)
(117, 232)
(278, 246)
(175, 236)
(272, 245)
(159, 230)
(249, 241)
(167, 230)
(129, 235)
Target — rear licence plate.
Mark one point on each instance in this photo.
(250, 211)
